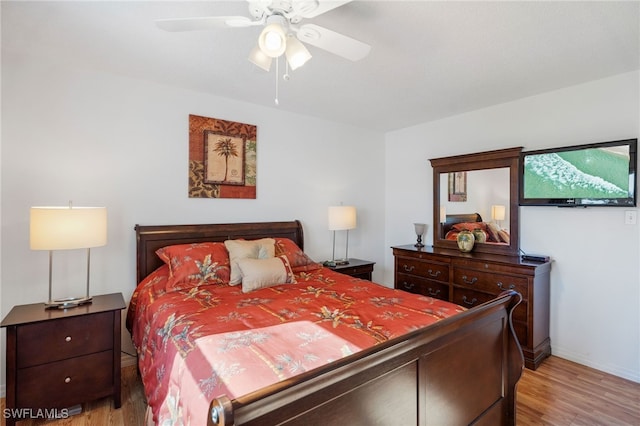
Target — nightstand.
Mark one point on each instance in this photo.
(60, 358)
(357, 268)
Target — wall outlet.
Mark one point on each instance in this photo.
(630, 217)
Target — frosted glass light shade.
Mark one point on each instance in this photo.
(66, 228)
(273, 40)
(257, 57)
(342, 218)
(297, 54)
(498, 212)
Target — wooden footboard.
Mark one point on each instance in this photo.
(461, 370)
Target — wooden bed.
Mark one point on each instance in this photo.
(460, 370)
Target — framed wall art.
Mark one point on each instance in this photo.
(457, 186)
(222, 158)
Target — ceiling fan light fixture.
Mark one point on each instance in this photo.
(258, 58)
(273, 40)
(297, 54)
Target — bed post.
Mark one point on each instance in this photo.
(221, 412)
(514, 356)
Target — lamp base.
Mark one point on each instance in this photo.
(69, 302)
(335, 262)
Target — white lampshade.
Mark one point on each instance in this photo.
(297, 54)
(498, 212)
(65, 228)
(342, 218)
(443, 214)
(258, 58)
(273, 40)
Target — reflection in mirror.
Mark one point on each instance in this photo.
(482, 190)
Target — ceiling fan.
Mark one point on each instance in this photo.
(282, 34)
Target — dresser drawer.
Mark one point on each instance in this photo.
(431, 270)
(68, 382)
(490, 282)
(48, 341)
(469, 299)
(422, 286)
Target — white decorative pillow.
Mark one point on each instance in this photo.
(247, 249)
(261, 273)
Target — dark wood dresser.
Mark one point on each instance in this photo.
(469, 279)
(60, 358)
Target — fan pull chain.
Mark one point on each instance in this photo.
(277, 74)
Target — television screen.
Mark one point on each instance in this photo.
(599, 174)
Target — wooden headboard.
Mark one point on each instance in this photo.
(452, 219)
(151, 238)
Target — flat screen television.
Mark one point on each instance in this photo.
(597, 174)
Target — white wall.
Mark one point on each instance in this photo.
(595, 279)
(98, 139)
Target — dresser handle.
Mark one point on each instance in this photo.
(471, 303)
(67, 379)
(433, 293)
(408, 268)
(407, 285)
(469, 281)
(67, 339)
(511, 287)
(433, 274)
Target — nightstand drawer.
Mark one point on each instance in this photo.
(49, 341)
(432, 271)
(66, 383)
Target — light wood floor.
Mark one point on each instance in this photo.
(559, 393)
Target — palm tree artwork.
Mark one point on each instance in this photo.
(224, 159)
(225, 148)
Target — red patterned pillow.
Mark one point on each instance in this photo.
(469, 226)
(299, 261)
(191, 265)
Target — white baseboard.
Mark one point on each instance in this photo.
(624, 373)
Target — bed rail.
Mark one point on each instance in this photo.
(460, 370)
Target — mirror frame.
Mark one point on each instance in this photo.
(503, 158)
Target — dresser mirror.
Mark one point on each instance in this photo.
(484, 183)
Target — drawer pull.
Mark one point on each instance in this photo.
(67, 379)
(408, 268)
(407, 285)
(469, 302)
(433, 274)
(511, 287)
(433, 293)
(67, 339)
(469, 281)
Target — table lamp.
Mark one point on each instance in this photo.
(341, 218)
(498, 213)
(67, 228)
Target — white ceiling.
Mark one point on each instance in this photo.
(428, 60)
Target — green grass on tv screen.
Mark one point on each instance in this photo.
(587, 173)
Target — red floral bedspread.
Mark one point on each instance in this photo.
(203, 342)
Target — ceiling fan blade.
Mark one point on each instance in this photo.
(205, 23)
(324, 6)
(333, 42)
